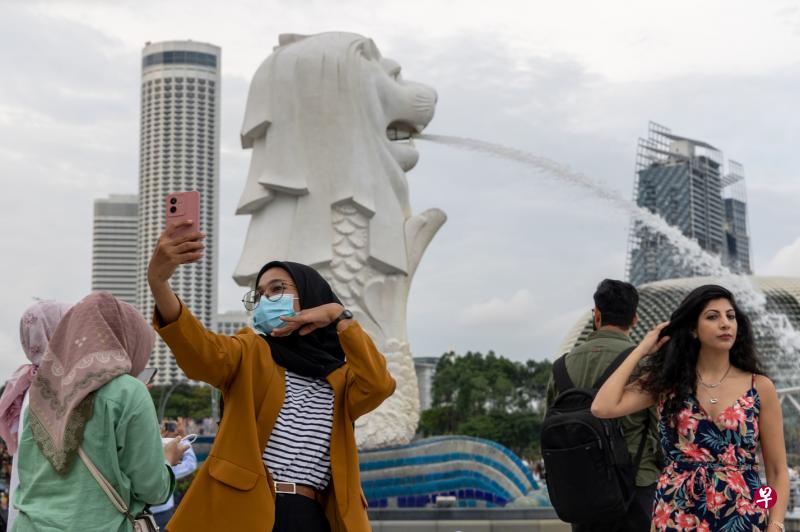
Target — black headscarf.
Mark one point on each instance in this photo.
(318, 353)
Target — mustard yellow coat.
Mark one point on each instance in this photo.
(233, 490)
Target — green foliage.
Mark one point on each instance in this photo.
(182, 486)
(488, 397)
(185, 401)
(438, 420)
(519, 431)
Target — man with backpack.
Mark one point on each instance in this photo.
(601, 474)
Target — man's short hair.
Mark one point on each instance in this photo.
(617, 302)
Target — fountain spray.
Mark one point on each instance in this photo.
(690, 252)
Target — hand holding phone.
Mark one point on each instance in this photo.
(174, 449)
(173, 246)
(183, 206)
(180, 243)
(147, 374)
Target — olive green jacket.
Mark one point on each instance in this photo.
(585, 363)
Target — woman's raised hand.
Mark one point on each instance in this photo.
(650, 343)
(174, 449)
(174, 247)
(309, 320)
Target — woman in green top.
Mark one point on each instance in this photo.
(84, 396)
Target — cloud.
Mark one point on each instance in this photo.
(498, 311)
(515, 240)
(786, 261)
(772, 213)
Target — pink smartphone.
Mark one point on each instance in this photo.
(184, 206)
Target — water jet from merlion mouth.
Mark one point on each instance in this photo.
(750, 298)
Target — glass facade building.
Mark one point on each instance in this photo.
(179, 151)
(736, 235)
(683, 181)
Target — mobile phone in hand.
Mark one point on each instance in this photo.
(182, 206)
(147, 374)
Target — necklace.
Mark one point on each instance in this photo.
(713, 400)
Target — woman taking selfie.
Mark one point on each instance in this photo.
(715, 408)
(285, 456)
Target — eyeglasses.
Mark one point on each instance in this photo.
(273, 292)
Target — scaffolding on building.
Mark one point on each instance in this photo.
(703, 161)
(733, 184)
(734, 189)
(652, 150)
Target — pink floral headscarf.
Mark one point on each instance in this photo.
(35, 329)
(98, 340)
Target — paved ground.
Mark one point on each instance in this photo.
(471, 526)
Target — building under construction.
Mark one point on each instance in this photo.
(683, 180)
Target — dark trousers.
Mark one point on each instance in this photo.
(638, 518)
(296, 513)
(162, 518)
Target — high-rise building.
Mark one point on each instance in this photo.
(114, 235)
(736, 233)
(179, 151)
(230, 322)
(683, 181)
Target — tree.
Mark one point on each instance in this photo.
(488, 397)
(185, 401)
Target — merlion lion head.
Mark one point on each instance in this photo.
(329, 121)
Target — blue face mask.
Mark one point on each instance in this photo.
(267, 315)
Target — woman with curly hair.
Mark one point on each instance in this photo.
(715, 407)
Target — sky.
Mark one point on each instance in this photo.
(518, 260)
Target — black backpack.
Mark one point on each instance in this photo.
(590, 474)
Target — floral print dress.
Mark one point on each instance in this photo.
(712, 471)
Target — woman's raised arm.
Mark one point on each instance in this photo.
(172, 250)
(201, 354)
(617, 398)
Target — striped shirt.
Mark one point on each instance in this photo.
(298, 449)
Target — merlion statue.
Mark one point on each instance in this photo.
(329, 121)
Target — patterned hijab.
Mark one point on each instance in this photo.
(35, 329)
(99, 339)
